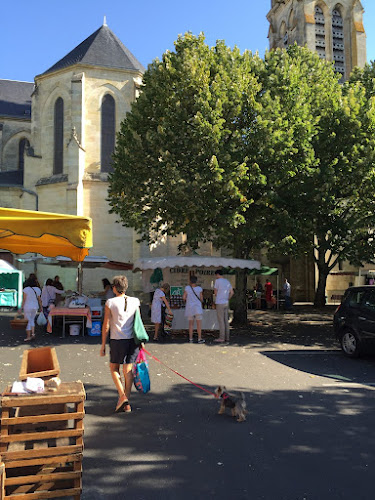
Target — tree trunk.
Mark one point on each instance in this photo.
(320, 294)
(239, 299)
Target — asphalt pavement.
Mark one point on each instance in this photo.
(308, 435)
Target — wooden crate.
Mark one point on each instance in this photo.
(41, 444)
(40, 362)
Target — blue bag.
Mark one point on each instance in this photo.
(141, 374)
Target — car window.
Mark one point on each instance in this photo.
(355, 298)
(369, 301)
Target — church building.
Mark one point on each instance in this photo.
(56, 139)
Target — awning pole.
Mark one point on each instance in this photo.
(79, 278)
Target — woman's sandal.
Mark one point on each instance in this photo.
(155, 339)
(120, 404)
(127, 407)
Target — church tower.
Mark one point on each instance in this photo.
(334, 29)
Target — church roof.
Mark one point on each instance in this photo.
(15, 98)
(102, 48)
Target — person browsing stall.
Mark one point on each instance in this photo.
(108, 292)
(119, 314)
(49, 293)
(193, 296)
(223, 292)
(158, 302)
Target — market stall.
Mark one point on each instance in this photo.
(48, 234)
(11, 283)
(177, 271)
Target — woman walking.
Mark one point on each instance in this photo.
(31, 304)
(118, 321)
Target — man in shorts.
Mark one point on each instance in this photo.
(118, 320)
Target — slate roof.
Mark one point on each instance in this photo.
(15, 98)
(102, 48)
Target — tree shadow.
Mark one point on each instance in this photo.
(315, 362)
(174, 445)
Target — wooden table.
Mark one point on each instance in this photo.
(70, 316)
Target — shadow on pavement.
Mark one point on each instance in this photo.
(174, 445)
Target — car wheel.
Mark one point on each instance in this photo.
(350, 344)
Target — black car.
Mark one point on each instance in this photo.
(354, 320)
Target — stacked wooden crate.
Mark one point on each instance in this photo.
(41, 444)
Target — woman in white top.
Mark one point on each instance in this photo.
(156, 307)
(31, 303)
(49, 292)
(193, 296)
(118, 319)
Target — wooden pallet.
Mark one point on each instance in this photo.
(41, 444)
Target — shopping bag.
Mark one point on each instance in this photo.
(139, 331)
(141, 374)
(41, 319)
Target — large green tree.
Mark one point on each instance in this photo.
(244, 152)
(323, 187)
(181, 160)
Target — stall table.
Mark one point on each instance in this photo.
(181, 322)
(70, 316)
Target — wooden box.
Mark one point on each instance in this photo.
(41, 362)
(42, 460)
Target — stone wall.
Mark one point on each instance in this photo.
(11, 133)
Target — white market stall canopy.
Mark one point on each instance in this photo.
(195, 261)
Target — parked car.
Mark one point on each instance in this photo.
(354, 320)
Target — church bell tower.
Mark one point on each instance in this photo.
(334, 29)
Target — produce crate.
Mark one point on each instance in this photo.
(41, 443)
(41, 362)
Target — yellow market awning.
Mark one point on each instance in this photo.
(49, 234)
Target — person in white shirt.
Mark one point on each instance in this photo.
(160, 302)
(49, 292)
(223, 292)
(31, 303)
(118, 320)
(193, 296)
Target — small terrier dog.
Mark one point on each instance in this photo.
(237, 405)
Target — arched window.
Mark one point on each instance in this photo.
(22, 147)
(320, 33)
(108, 132)
(58, 156)
(338, 42)
(284, 34)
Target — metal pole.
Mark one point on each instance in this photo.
(79, 278)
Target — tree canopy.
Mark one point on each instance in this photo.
(244, 152)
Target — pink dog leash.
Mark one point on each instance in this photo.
(179, 374)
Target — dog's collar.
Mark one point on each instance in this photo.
(225, 395)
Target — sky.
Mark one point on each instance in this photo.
(35, 35)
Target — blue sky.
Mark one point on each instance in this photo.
(37, 34)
